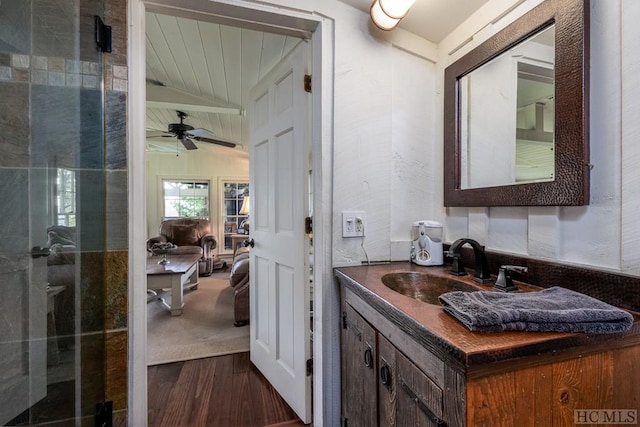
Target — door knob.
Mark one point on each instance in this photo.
(39, 252)
(247, 243)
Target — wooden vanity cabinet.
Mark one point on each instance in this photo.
(415, 379)
(380, 386)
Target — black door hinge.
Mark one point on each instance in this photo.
(307, 83)
(308, 225)
(103, 35)
(309, 367)
(104, 414)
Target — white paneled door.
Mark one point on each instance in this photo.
(279, 186)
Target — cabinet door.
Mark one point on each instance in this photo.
(419, 400)
(387, 388)
(406, 396)
(359, 370)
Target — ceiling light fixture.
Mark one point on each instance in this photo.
(386, 14)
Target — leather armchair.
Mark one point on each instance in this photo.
(239, 281)
(190, 236)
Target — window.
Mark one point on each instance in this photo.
(65, 197)
(185, 198)
(233, 193)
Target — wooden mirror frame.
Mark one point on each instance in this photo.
(571, 184)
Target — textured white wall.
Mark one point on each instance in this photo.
(605, 233)
(384, 158)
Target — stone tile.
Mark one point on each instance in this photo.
(5, 59)
(74, 80)
(20, 74)
(120, 418)
(14, 229)
(15, 26)
(57, 78)
(20, 61)
(39, 62)
(89, 82)
(117, 210)
(56, 64)
(120, 72)
(91, 68)
(54, 28)
(91, 209)
(79, 143)
(116, 126)
(14, 124)
(40, 77)
(88, 10)
(72, 66)
(120, 85)
(116, 369)
(92, 367)
(92, 288)
(115, 15)
(5, 73)
(115, 303)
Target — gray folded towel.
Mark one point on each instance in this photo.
(554, 309)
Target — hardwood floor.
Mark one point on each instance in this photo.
(223, 391)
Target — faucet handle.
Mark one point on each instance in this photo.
(516, 268)
(457, 269)
(504, 282)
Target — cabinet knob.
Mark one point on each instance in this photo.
(385, 375)
(368, 357)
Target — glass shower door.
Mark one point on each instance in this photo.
(52, 212)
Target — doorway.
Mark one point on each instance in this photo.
(296, 24)
(201, 70)
(307, 27)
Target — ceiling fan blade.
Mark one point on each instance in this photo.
(200, 132)
(159, 133)
(188, 144)
(216, 141)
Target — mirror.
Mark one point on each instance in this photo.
(506, 136)
(516, 113)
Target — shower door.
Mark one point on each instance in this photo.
(51, 212)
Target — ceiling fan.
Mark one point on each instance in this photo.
(186, 134)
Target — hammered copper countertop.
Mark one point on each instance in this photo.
(442, 334)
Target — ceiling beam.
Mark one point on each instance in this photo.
(175, 99)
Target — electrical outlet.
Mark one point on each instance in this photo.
(353, 224)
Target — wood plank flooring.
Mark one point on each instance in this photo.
(223, 391)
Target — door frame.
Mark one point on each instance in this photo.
(320, 29)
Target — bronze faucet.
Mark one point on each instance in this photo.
(482, 266)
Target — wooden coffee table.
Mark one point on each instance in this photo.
(179, 274)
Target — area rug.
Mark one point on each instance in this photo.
(204, 329)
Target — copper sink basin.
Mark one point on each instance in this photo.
(423, 287)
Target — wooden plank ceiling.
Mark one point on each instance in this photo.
(206, 70)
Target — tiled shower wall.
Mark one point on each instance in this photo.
(50, 87)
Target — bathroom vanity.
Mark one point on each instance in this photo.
(406, 362)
